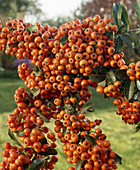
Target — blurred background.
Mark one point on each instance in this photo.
(54, 12)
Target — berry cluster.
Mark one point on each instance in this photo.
(58, 88)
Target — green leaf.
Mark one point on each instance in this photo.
(79, 164)
(124, 17)
(20, 133)
(118, 159)
(138, 84)
(90, 139)
(137, 4)
(37, 71)
(131, 89)
(13, 137)
(121, 74)
(110, 35)
(90, 109)
(42, 116)
(101, 70)
(50, 151)
(86, 107)
(121, 29)
(97, 77)
(137, 128)
(37, 164)
(117, 13)
(127, 39)
(35, 91)
(25, 166)
(118, 44)
(111, 77)
(63, 39)
(43, 141)
(32, 28)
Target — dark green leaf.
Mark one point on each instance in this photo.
(42, 116)
(90, 109)
(79, 164)
(111, 77)
(121, 74)
(128, 40)
(37, 71)
(121, 29)
(32, 28)
(86, 107)
(138, 84)
(90, 139)
(35, 91)
(137, 4)
(63, 39)
(118, 44)
(131, 89)
(101, 70)
(20, 133)
(13, 137)
(36, 68)
(103, 83)
(97, 77)
(110, 35)
(137, 128)
(117, 13)
(125, 17)
(77, 97)
(43, 141)
(25, 166)
(37, 164)
(118, 159)
(50, 151)
(64, 130)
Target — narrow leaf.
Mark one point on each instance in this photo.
(32, 28)
(128, 40)
(42, 116)
(20, 133)
(137, 128)
(86, 107)
(43, 141)
(121, 74)
(138, 84)
(131, 89)
(118, 159)
(90, 139)
(90, 109)
(97, 77)
(63, 39)
(125, 17)
(118, 44)
(117, 13)
(121, 29)
(35, 91)
(79, 164)
(37, 164)
(111, 77)
(13, 137)
(50, 151)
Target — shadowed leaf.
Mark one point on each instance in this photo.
(37, 164)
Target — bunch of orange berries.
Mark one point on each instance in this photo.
(63, 60)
